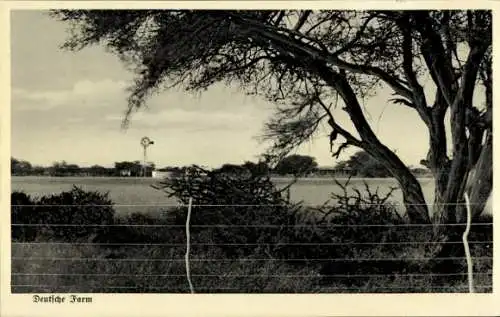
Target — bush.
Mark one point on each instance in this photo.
(363, 225)
(139, 228)
(240, 213)
(77, 211)
(246, 216)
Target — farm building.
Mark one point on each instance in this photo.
(161, 174)
(125, 172)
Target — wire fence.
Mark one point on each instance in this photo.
(179, 256)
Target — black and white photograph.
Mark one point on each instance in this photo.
(250, 151)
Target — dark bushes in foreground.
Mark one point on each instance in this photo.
(359, 241)
(358, 232)
(69, 216)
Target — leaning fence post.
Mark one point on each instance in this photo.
(188, 219)
(466, 245)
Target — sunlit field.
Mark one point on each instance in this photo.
(136, 194)
(127, 192)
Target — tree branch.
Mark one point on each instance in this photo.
(462, 101)
(418, 94)
(274, 34)
(342, 147)
(356, 38)
(436, 59)
(331, 121)
(340, 83)
(350, 139)
(302, 19)
(396, 84)
(464, 96)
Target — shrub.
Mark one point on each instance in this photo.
(23, 212)
(238, 212)
(81, 214)
(245, 215)
(140, 228)
(363, 225)
(359, 234)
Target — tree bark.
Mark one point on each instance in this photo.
(413, 197)
(480, 181)
(478, 185)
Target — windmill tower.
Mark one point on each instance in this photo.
(145, 143)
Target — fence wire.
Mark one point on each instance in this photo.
(218, 264)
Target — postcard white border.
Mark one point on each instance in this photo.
(228, 304)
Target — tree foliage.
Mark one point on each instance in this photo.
(20, 167)
(296, 165)
(362, 164)
(136, 168)
(69, 216)
(64, 169)
(311, 62)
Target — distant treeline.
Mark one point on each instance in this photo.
(358, 165)
(125, 168)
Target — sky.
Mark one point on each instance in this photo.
(69, 106)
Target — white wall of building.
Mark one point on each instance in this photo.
(160, 174)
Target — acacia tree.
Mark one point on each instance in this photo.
(307, 62)
(296, 164)
(362, 164)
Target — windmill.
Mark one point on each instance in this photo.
(145, 142)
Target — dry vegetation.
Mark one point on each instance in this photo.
(359, 245)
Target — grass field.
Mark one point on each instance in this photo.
(127, 192)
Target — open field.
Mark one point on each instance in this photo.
(136, 194)
(137, 191)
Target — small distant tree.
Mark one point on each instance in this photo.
(58, 168)
(174, 170)
(296, 165)
(72, 169)
(39, 170)
(97, 170)
(257, 169)
(135, 167)
(363, 164)
(232, 169)
(20, 167)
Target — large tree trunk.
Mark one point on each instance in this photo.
(478, 185)
(413, 197)
(480, 181)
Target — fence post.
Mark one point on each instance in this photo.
(466, 245)
(188, 245)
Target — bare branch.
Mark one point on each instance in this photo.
(402, 101)
(463, 98)
(418, 94)
(356, 38)
(396, 84)
(302, 19)
(353, 108)
(286, 44)
(435, 57)
(342, 147)
(348, 136)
